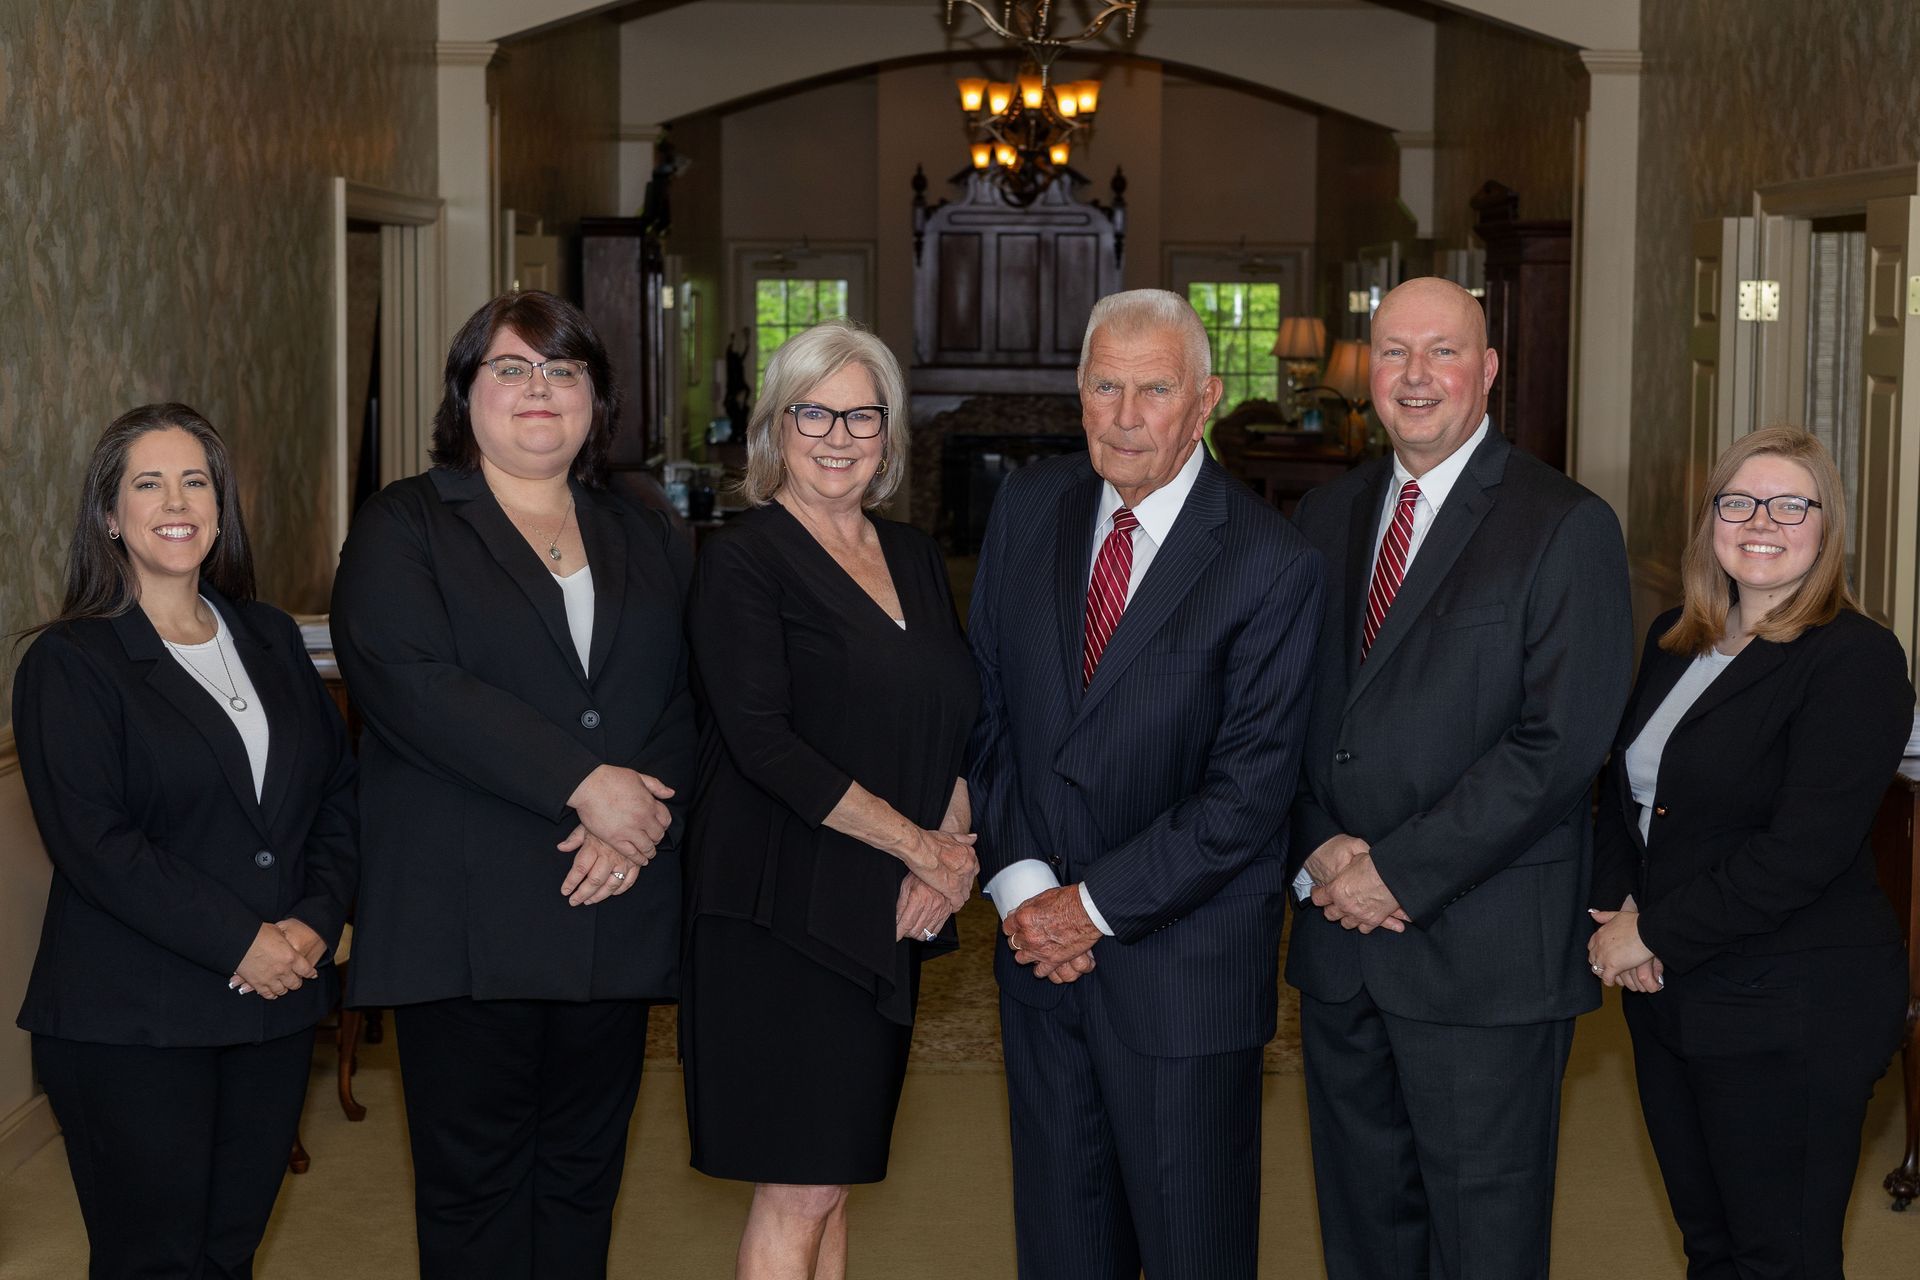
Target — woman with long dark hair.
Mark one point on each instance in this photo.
(511, 632)
(1734, 883)
(193, 787)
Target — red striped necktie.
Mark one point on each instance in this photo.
(1390, 567)
(1107, 592)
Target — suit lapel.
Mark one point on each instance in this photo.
(1363, 523)
(1191, 544)
(1073, 565)
(273, 682)
(1467, 505)
(173, 682)
(604, 536)
(1759, 659)
(467, 493)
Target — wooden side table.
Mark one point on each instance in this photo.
(1896, 852)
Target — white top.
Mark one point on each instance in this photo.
(577, 587)
(1156, 513)
(1644, 752)
(216, 668)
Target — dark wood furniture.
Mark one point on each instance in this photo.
(1529, 318)
(622, 273)
(1896, 848)
(1001, 291)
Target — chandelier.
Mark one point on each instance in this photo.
(1021, 133)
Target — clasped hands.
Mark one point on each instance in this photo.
(622, 821)
(942, 865)
(283, 956)
(1618, 957)
(1052, 932)
(1348, 889)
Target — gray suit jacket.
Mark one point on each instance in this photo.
(1464, 748)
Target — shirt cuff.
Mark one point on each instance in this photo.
(1093, 912)
(1303, 885)
(1018, 881)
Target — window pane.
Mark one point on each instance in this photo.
(1242, 320)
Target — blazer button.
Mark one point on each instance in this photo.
(1659, 811)
(1342, 756)
(589, 719)
(263, 859)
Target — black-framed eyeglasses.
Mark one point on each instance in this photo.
(517, 371)
(1782, 508)
(864, 422)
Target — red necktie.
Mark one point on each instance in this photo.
(1107, 592)
(1391, 565)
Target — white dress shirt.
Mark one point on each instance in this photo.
(1434, 488)
(1018, 881)
(216, 667)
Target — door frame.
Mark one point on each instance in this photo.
(412, 300)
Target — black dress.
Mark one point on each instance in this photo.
(798, 1000)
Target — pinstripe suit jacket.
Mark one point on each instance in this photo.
(1464, 748)
(1163, 785)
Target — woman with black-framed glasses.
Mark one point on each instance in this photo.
(828, 846)
(512, 633)
(1733, 880)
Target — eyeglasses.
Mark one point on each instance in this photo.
(515, 371)
(863, 421)
(1782, 508)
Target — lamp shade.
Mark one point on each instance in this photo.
(1347, 369)
(973, 92)
(1057, 153)
(999, 96)
(982, 154)
(1066, 98)
(1033, 90)
(1088, 91)
(1301, 338)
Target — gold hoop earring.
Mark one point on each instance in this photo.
(882, 468)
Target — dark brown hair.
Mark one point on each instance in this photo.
(1709, 592)
(556, 329)
(101, 580)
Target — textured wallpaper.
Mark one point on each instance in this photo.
(1736, 95)
(1504, 104)
(165, 172)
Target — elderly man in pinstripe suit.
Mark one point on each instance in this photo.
(1144, 629)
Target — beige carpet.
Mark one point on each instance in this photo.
(945, 1213)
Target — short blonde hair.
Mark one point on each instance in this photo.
(802, 363)
(1821, 595)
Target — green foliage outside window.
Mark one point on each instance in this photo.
(784, 307)
(1242, 321)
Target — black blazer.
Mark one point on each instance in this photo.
(164, 864)
(1164, 785)
(1766, 795)
(1464, 748)
(452, 635)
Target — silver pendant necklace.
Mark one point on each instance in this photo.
(232, 692)
(553, 543)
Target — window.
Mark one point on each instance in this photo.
(783, 307)
(1242, 321)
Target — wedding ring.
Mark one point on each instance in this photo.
(1596, 969)
(927, 935)
(621, 875)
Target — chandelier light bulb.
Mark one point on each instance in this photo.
(973, 92)
(999, 98)
(982, 154)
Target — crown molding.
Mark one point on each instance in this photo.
(464, 53)
(1613, 62)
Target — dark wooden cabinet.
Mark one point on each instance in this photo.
(1529, 321)
(1896, 852)
(622, 274)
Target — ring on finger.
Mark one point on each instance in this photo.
(619, 875)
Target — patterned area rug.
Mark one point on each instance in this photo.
(958, 1027)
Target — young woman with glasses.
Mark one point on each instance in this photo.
(1734, 884)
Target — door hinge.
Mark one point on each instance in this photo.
(1913, 295)
(1760, 300)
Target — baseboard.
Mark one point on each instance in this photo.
(30, 1127)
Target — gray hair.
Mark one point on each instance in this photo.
(1138, 311)
(802, 363)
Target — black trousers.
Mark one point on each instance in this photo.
(518, 1113)
(176, 1154)
(1123, 1161)
(1754, 1076)
(1433, 1145)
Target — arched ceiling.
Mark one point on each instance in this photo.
(1370, 60)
